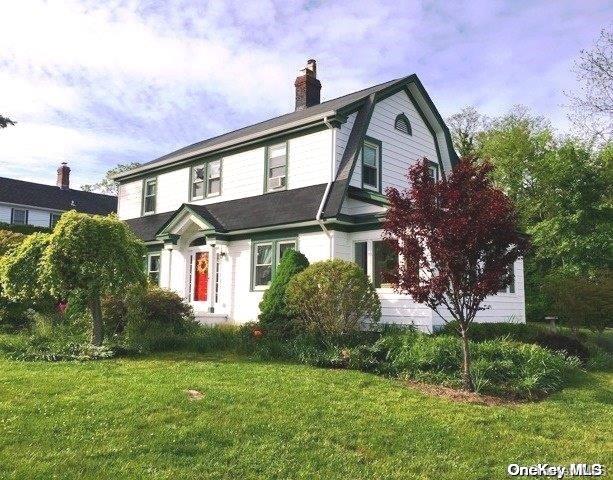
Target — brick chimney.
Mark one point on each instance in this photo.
(63, 176)
(307, 86)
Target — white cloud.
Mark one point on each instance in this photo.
(106, 82)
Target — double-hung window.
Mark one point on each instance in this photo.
(433, 170)
(53, 219)
(262, 270)
(153, 268)
(19, 216)
(284, 246)
(206, 180)
(384, 261)
(266, 258)
(149, 194)
(371, 156)
(276, 167)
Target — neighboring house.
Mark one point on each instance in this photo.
(218, 215)
(28, 203)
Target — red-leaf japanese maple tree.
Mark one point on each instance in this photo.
(458, 239)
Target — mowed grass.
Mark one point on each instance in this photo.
(131, 418)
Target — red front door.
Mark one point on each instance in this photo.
(201, 282)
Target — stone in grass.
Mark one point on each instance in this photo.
(194, 394)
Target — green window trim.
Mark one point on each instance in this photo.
(146, 196)
(434, 167)
(206, 180)
(275, 249)
(154, 270)
(378, 145)
(285, 176)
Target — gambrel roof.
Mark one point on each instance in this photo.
(333, 111)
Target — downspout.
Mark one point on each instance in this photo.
(328, 186)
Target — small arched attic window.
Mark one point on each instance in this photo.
(402, 123)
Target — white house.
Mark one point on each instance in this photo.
(39, 205)
(218, 215)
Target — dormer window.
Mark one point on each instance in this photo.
(402, 124)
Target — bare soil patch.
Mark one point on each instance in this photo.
(462, 395)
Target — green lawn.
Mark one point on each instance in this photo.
(125, 419)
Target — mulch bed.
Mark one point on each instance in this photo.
(462, 395)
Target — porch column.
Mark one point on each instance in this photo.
(169, 247)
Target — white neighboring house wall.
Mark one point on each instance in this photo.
(37, 217)
(242, 175)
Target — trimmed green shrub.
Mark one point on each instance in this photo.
(274, 316)
(332, 298)
(155, 314)
(9, 240)
(25, 229)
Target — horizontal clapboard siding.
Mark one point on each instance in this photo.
(400, 150)
(242, 176)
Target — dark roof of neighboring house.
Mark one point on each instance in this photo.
(270, 209)
(242, 134)
(32, 194)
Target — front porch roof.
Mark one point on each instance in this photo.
(267, 210)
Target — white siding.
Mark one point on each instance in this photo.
(38, 218)
(310, 159)
(129, 198)
(242, 176)
(395, 308)
(400, 151)
(5, 214)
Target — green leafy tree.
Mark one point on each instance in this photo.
(332, 298)
(465, 127)
(582, 301)
(108, 185)
(21, 271)
(562, 190)
(90, 257)
(274, 313)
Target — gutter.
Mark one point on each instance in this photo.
(329, 185)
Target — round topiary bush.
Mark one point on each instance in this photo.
(332, 298)
(274, 316)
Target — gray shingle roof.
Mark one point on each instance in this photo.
(270, 209)
(48, 196)
(258, 129)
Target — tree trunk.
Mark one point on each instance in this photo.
(467, 380)
(96, 310)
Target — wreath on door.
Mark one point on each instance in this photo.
(202, 265)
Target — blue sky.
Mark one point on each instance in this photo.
(102, 83)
